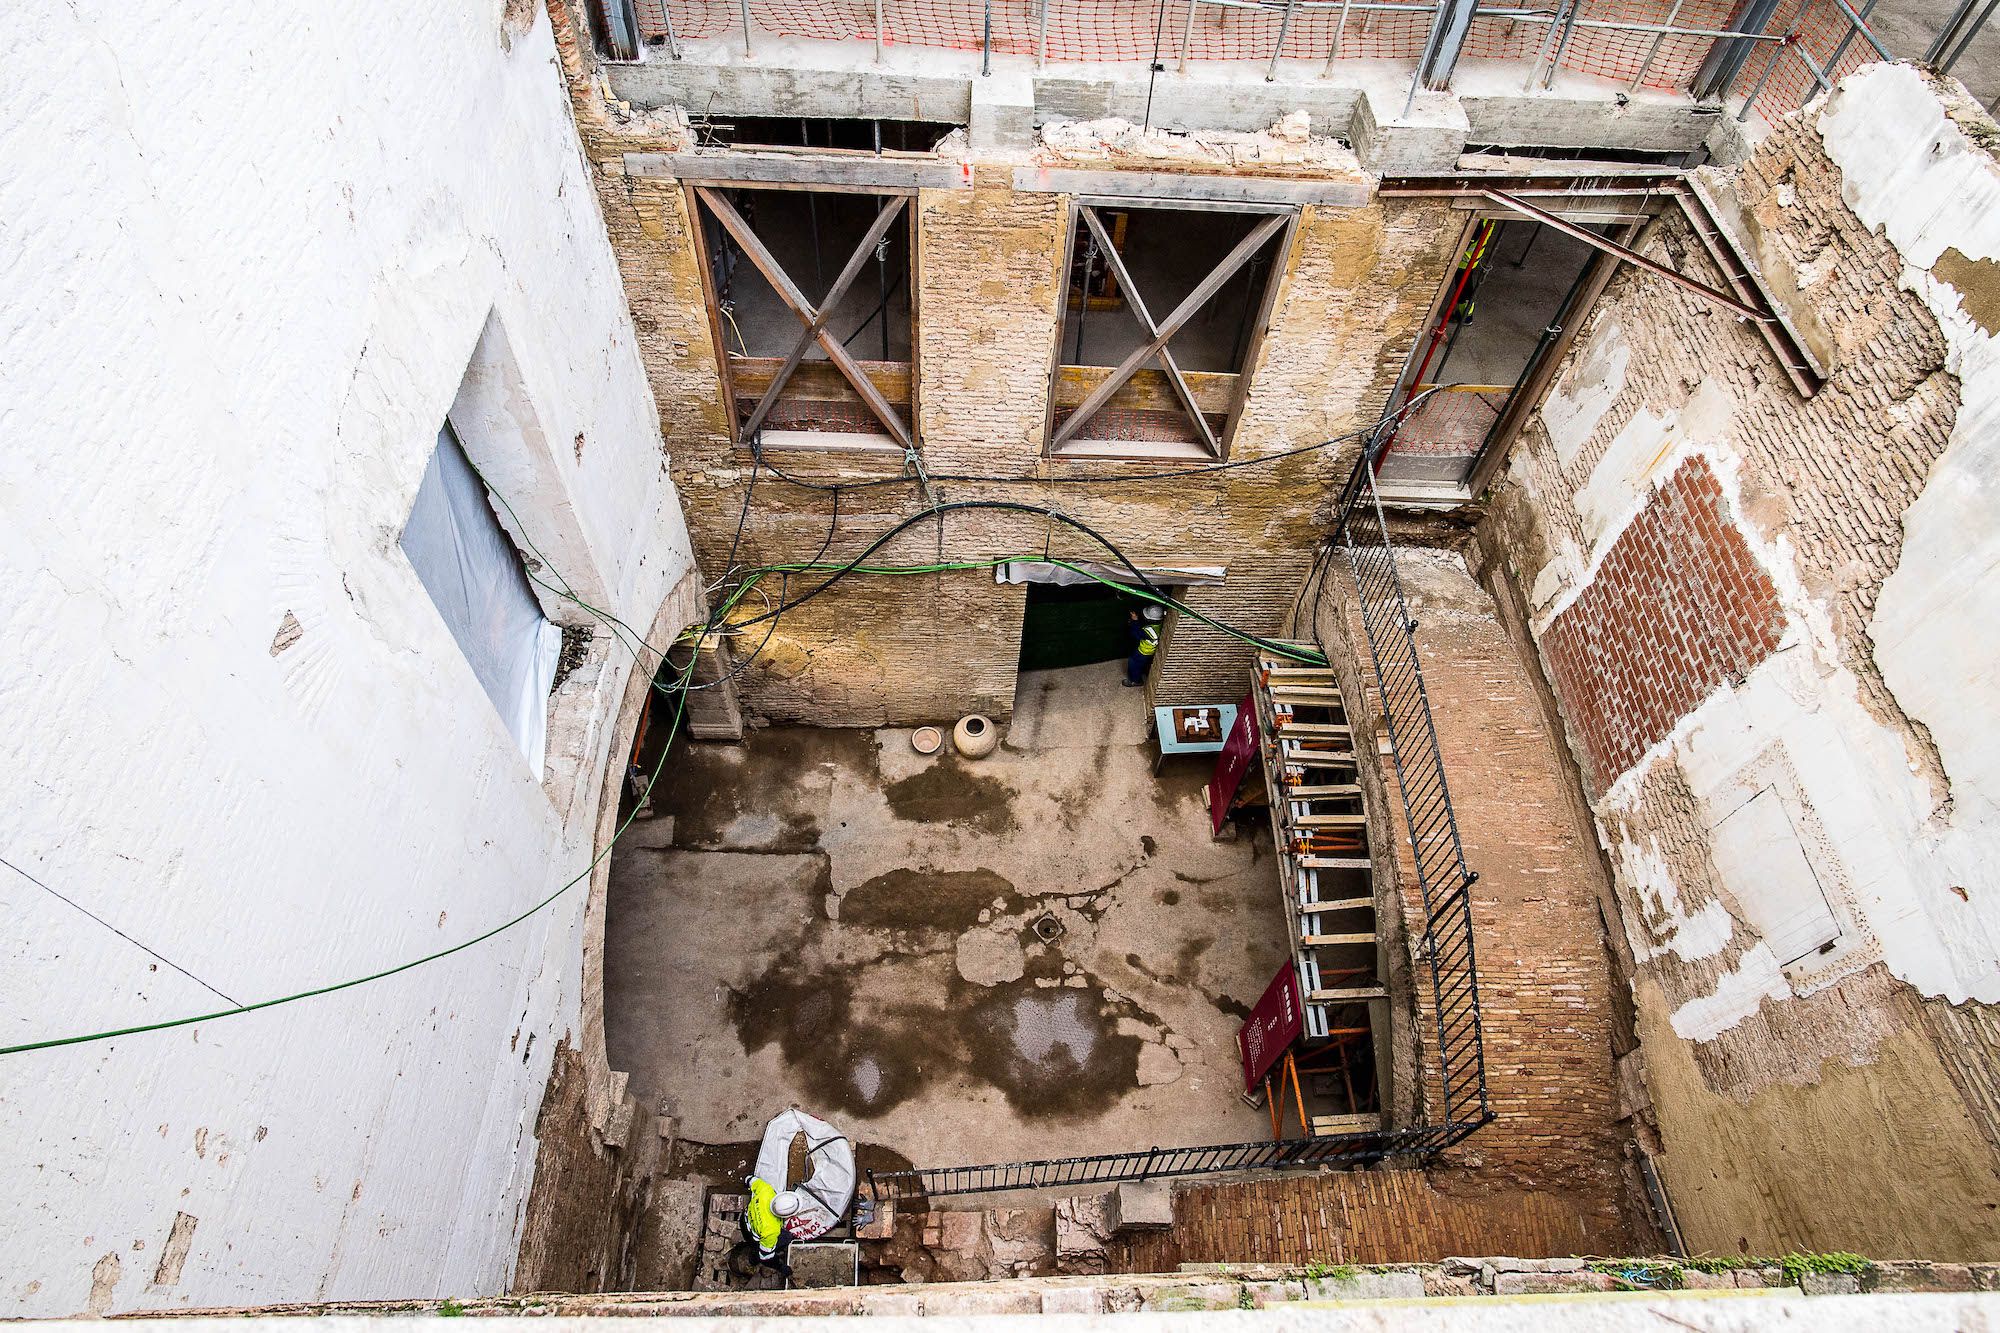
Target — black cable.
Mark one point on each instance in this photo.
(1013, 506)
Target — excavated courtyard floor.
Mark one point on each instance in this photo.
(827, 918)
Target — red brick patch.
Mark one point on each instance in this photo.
(1678, 607)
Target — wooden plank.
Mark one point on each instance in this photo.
(881, 175)
(1336, 904)
(1323, 791)
(1304, 693)
(1336, 863)
(1354, 937)
(1344, 994)
(1147, 390)
(1328, 729)
(1346, 1124)
(820, 380)
(1115, 186)
(1328, 821)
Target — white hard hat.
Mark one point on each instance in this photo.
(1155, 612)
(787, 1204)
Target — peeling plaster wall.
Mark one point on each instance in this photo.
(1802, 821)
(250, 254)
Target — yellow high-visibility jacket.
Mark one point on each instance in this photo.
(766, 1227)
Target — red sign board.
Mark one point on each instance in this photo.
(1272, 1027)
(1233, 762)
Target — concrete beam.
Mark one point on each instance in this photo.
(778, 90)
(1194, 189)
(852, 173)
(1427, 141)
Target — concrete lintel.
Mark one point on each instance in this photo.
(780, 90)
(1428, 139)
(1003, 115)
(1182, 187)
(1639, 124)
(1186, 104)
(856, 173)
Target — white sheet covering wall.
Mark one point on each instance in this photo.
(469, 566)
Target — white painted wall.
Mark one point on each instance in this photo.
(1907, 879)
(246, 254)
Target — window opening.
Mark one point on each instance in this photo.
(477, 581)
(832, 369)
(1162, 311)
(836, 133)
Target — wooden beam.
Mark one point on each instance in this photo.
(1137, 305)
(815, 318)
(1147, 390)
(788, 291)
(869, 175)
(1192, 191)
(821, 380)
(1182, 313)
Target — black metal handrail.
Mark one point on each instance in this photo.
(1454, 1076)
(1455, 1079)
(1340, 1150)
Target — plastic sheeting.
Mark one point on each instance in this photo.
(468, 564)
(828, 1190)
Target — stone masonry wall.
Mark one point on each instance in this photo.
(1784, 708)
(883, 649)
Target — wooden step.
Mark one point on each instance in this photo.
(1335, 905)
(1347, 994)
(1326, 696)
(1335, 863)
(1332, 730)
(1323, 1125)
(1327, 821)
(1356, 937)
(1324, 790)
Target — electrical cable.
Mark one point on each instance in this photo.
(1147, 590)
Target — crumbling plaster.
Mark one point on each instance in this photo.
(247, 274)
(1871, 722)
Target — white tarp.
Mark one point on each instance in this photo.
(469, 566)
(828, 1189)
(1041, 571)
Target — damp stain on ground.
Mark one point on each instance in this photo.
(749, 796)
(950, 900)
(859, 1067)
(1052, 1051)
(951, 792)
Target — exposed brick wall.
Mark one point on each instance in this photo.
(1359, 1217)
(1544, 976)
(1853, 1111)
(1678, 606)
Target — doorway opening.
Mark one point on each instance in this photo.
(1516, 289)
(1076, 625)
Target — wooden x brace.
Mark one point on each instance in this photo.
(813, 317)
(1165, 329)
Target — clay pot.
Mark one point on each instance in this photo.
(926, 740)
(975, 736)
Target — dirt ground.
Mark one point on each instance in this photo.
(830, 919)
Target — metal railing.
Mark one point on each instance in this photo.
(1343, 1150)
(1454, 1077)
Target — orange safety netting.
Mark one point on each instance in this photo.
(1126, 30)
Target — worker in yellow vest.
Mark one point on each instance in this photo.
(1144, 635)
(764, 1222)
